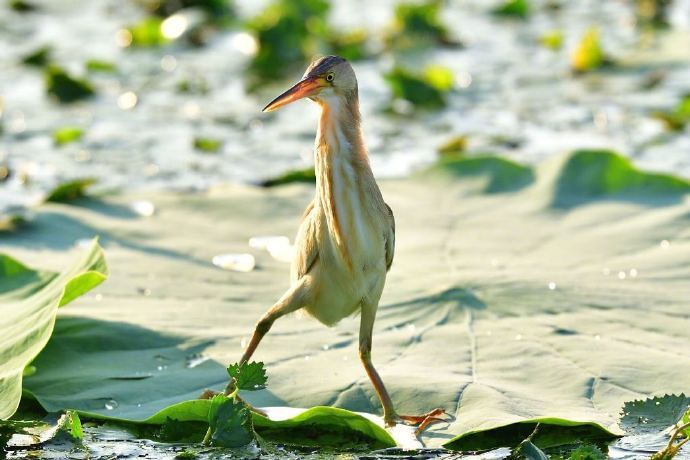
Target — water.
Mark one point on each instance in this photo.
(512, 97)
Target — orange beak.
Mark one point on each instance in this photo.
(306, 87)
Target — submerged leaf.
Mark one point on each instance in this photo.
(248, 376)
(454, 146)
(65, 88)
(230, 422)
(678, 117)
(552, 40)
(27, 313)
(69, 191)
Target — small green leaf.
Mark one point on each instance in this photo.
(96, 65)
(38, 58)
(71, 190)
(147, 33)
(248, 376)
(70, 424)
(427, 90)
(67, 134)
(529, 451)
(587, 452)
(65, 88)
(588, 55)
(454, 146)
(22, 6)
(552, 40)
(513, 8)
(230, 422)
(207, 144)
(653, 415)
(298, 175)
(417, 24)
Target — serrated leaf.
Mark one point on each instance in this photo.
(248, 376)
(653, 415)
(230, 422)
(70, 424)
(587, 452)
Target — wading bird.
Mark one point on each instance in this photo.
(345, 243)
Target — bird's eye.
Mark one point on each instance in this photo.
(329, 77)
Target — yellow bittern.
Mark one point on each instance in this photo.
(345, 243)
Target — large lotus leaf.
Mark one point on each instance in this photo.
(29, 301)
(553, 302)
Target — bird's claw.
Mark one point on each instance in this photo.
(421, 421)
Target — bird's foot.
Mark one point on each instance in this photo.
(209, 394)
(421, 421)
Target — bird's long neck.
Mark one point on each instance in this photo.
(346, 189)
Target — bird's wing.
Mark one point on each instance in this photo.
(389, 237)
(306, 249)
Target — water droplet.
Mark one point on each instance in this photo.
(657, 403)
(665, 244)
(143, 208)
(111, 404)
(325, 347)
(606, 271)
(307, 358)
(235, 262)
(552, 285)
(518, 337)
(162, 367)
(98, 297)
(138, 404)
(195, 360)
(621, 275)
(597, 337)
(411, 327)
(633, 273)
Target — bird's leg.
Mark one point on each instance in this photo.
(390, 416)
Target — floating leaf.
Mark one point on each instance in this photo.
(71, 190)
(513, 8)
(67, 134)
(22, 6)
(65, 88)
(288, 33)
(350, 45)
(426, 91)
(30, 300)
(230, 422)
(677, 118)
(299, 175)
(418, 24)
(248, 376)
(653, 415)
(207, 144)
(97, 65)
(454, 146)
(552, 40)
(588, 55)
(39, 57)
(148, 33)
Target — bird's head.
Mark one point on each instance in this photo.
(327, 80)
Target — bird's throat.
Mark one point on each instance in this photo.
(342, 172)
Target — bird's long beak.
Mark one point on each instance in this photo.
(308, 86)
